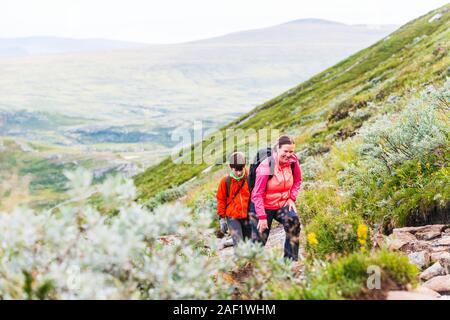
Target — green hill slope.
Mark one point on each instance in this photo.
(317, 111)
(32, 173)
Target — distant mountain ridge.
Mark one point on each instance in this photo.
(296, 31)
(26, 46)
(42, 45)
(315, 20)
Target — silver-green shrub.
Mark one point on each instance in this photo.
(75, 252)
(420, 128)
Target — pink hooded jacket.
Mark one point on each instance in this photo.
(283, 186)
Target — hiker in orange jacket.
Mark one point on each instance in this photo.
(233, 198)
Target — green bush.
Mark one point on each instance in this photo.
(335, 233)
(347, 277)
(165, 196)
(402, 164)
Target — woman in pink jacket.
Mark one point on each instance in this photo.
(275, 198)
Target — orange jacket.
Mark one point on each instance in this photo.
(238, 207)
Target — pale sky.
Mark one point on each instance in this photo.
(170, 21)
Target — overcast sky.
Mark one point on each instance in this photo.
(169, 21)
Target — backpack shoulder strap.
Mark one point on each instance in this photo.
(244, 181)
(228, 184)
(271, 166)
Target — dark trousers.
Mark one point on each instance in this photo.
(240, 229)
(291, 225)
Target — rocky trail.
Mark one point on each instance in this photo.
(428, 247)
(276, 240)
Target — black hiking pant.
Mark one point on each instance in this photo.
(291, 225)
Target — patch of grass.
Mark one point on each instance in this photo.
(335, 232)
(416, 186)
(46, 175)
(347, 277)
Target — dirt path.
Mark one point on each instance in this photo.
(276, 240)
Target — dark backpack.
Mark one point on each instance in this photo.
(260, 157)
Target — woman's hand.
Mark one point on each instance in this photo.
(262, 225)
(291, 205)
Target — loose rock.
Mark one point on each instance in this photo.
(443, 257)
(408, 295)
(444, 241)
(422, 229)
(427, 291)
(435, 270)
(398, 240)
(421, 259)
(439, 284)
(428, 235)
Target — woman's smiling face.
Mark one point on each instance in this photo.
(285, 153)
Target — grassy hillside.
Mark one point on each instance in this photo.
(325, 112)
(33, 173)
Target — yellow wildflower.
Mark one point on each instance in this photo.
(362, 235)
(312, 239)
(362, 231)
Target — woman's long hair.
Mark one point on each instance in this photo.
(282, 140)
